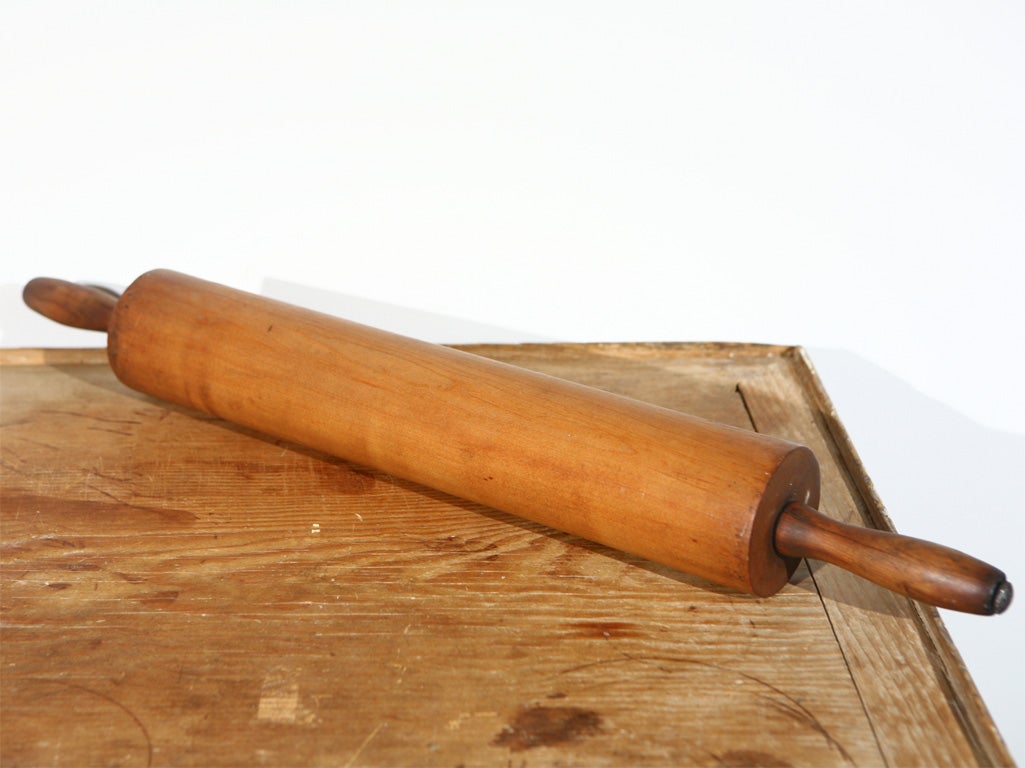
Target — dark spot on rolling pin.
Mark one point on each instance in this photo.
(746, 758)
(58, 585)
(548, 726)
(556, 695)
(270, 328)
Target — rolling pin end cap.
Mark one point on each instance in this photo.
(1002, 595)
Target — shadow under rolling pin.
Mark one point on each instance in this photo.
(725, 504)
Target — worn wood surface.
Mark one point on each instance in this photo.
(180, 591)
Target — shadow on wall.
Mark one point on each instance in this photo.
(931, 465)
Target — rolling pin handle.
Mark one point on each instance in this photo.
(80, 306)
(917, 569)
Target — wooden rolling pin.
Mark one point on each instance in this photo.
(729, 505)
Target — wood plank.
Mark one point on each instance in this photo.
(176, 590)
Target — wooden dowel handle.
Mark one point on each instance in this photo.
(80, 306)
(918, 569)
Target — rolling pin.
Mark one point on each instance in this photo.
(729, 505)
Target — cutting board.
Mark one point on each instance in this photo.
(177, 590)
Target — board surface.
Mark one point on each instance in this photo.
(180, 591)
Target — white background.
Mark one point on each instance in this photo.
(847, 177)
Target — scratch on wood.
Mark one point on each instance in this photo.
(359, 750)
(791, 707)
(747, 408)
(123, 708)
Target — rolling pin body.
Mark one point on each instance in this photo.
(698, 496)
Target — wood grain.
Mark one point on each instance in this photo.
(177, 590)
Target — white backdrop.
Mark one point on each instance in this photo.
(848, 178)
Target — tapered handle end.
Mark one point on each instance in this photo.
(80, 306)
(1003, 593)
(918, 569)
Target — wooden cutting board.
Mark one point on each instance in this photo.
(177, 590)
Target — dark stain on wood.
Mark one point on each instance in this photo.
(98, 512)
(163, 597)
(548, 726)
(605, 629)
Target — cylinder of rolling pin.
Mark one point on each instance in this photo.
(682, 491)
